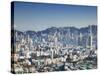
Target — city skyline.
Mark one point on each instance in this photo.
(37, 16)
(53, 37)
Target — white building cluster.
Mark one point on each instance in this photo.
(33, 56)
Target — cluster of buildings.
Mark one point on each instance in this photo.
(30, 55)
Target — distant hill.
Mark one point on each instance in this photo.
(65, 35)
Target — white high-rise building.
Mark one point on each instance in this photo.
(91, 38)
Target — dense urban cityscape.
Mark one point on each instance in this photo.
(54, 49)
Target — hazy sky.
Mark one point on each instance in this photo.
(37, 16)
